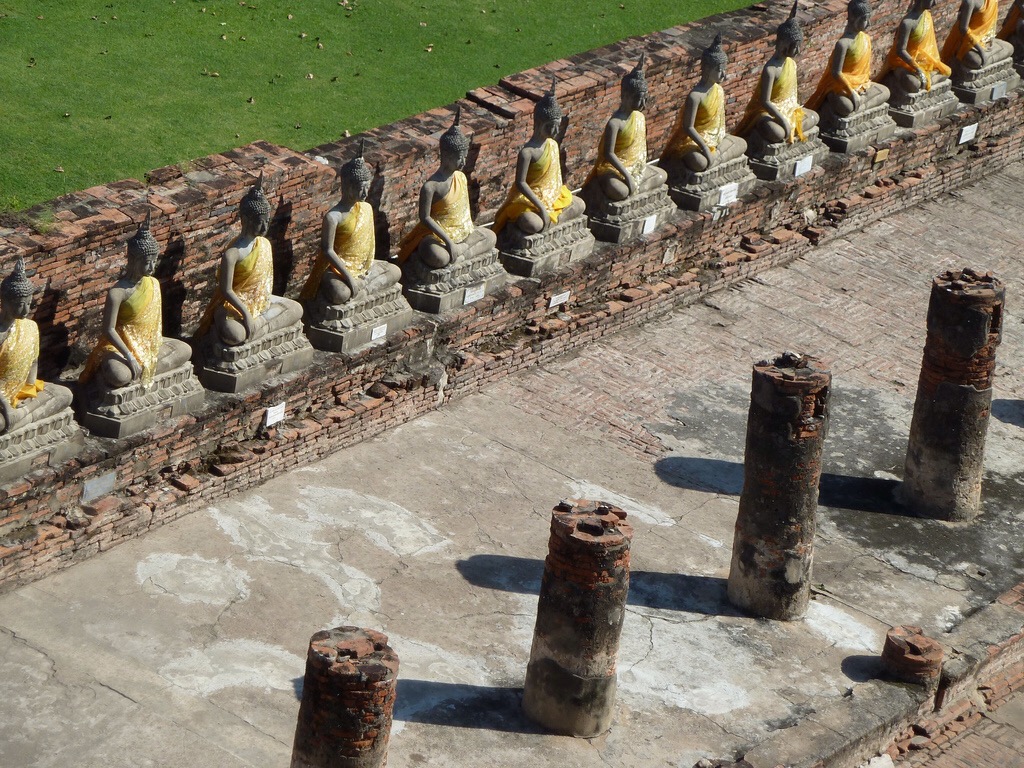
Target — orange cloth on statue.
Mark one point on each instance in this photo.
(709, 122)
(544, 177)
(139, 323)
(252, 281)
(856, 73)
(354, 242)
(450, 212)
(923, 49)
(981, 30)
(18, 353)
(784, 97)
(1010, 25)
(630, 148)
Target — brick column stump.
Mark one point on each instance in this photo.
(570, 681)
(773, 546)
(910, 656)
(945, 455)
(348, 695)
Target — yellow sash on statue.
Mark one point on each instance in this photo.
(923, 49)
(856, 74)
(709, 122)
(253, 281)
(981, 30)
(451, 213)
(17, 354)
(354, 242)
(544, 177)
(784, 97)
(139, 323)
(630, 148)
(1010, 25)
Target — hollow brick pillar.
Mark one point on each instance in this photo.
(774, 540)
(348, 695)
(570, 681)
(945, 455)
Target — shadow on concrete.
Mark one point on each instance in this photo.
(861, 668)
(864, 494)
(462, 706)
(297, 683)
(647, 589)
(1009, 411)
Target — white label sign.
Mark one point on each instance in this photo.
(558, 299)
(473, 293)
(729, 194)
(379, 332)
(803, 165)
(275, 413)
(98, 486)
(998, 90)
(967, 133)
(649, 224)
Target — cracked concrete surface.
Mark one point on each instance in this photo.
(187, 647)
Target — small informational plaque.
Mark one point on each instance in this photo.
(379, 332)
(998, 90)
(729, 193)
(98, 486)
(649, 224)
(473, 293)
(275, 413)
(967, 133)
(803, 165)
(558, 299)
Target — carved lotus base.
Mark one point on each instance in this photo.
(235, 369)
(619, 221)
(993, 81)
(857, 131)
(703, 191)
(50, 440)
(132, 409)
(367, 318)
(913, 110)
(558, 245)
(467, 280)
(783, 161)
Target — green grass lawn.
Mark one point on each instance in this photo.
(94, 91)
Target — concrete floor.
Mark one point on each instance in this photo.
(187, 647)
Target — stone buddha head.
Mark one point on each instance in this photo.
(16, 293)
(634, 87)
(548, 115)
(254, 210)
(143, 251)
(454, 145)
(789, 38)
(356, 177)
(858, 14)
(713, 61)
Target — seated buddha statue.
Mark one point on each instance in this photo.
(243, 308)
(972, 42)
(621, 169)
(538, 199)
(774, 113)
(845, 86)
(913, 62)
(23, 397)
(699, 140)
(345, 267)
(132, 347)
(1013, 30)
(445, 233)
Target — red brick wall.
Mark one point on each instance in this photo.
(341, 400)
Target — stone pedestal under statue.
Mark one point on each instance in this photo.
(986, 83)
(529, 255)
(719, 185)
(981, 63)
(923, 107)
(616, 221)
(138, 406)
(44, 440)
(467, 280)
(857, 131)
(781, 161)
(244, 366)
(363, 320)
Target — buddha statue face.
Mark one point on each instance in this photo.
(713, 71)
(16, 294)
(15, 306)
(355, 189)
(859, 16)
(143, 252)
